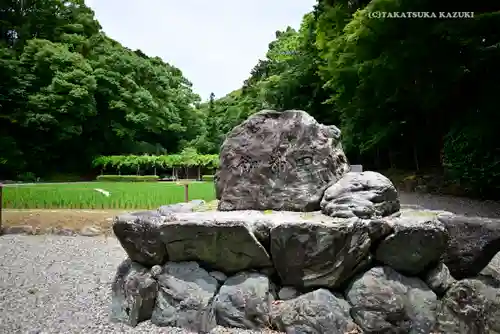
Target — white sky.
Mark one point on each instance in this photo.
(214, 43)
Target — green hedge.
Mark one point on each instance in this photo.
(207, 178)
(128, 178)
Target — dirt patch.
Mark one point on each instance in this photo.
(73, 220)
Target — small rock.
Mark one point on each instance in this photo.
(180, 207)
(492, 270)
(364, 195)
(439, 279)
(287, 292)
(20, 229)
(90, 231)
(64, 231)
(147, 213)
(156, 270)
(219, 276)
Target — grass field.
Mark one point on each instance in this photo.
(122, 195)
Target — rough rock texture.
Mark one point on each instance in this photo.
(492, 270)
(439, 279)
(180, 207)
(244, 301)
(139, 236)
(228, 246)
(424, 240)
(384, 301)
(323, 255)
(134, 294)
(287, 292)
(473, 243)
(364, 195)
(184, 297)
(315, 312)
(471, 306)
(279, 160)
(270, 269)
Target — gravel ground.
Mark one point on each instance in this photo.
(55, 284)
(457, 205)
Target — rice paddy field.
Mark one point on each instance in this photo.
(102, 195)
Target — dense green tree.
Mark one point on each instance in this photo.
(413, 94)
(69, 93)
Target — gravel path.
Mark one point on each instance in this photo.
(457, 205)
(54, 284)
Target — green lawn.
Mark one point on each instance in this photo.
(123, 195)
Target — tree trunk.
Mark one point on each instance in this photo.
(199, 173)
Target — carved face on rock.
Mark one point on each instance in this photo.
(279, 161)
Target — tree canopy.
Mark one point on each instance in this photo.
(411, 94)
(69, 93)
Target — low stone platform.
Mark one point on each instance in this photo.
(360, 265)
(306, 272)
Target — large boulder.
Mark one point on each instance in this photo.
(364, 195)
(133, 293)
(384, 301)
(415, 244)
(312, 254)
(473, 243)
(279, 160)
(244, 301)
(471, 306)
(185, 297)
(138, 234)
(222, 242)
(319, 311)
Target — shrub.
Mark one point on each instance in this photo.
(27, 177)
(208, 178)
(127, 178)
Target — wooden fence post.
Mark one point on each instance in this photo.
(186, 192)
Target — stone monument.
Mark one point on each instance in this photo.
(279, 161)
(300, 244)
